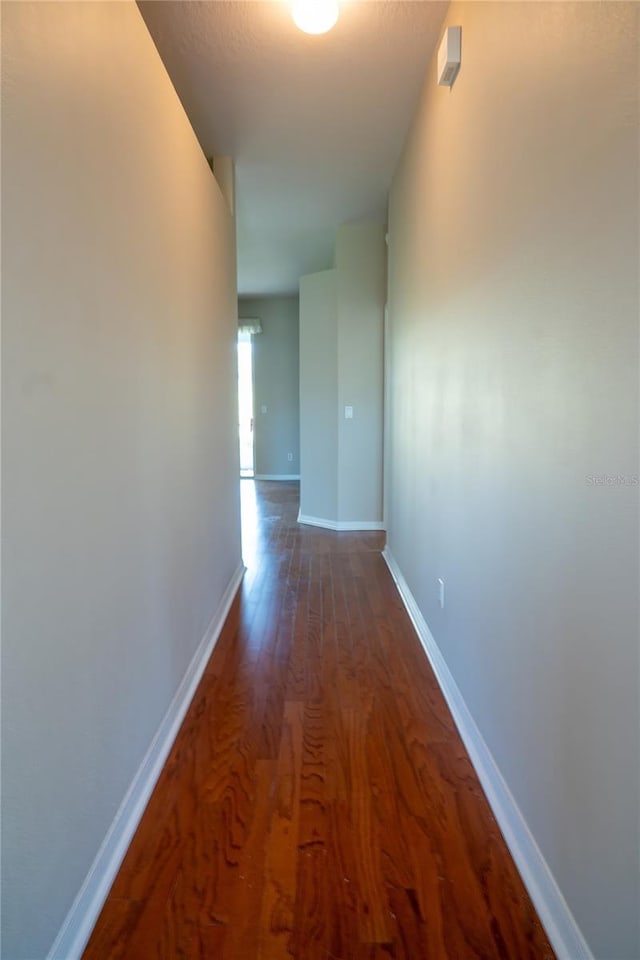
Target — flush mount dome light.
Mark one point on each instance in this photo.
(315, 16)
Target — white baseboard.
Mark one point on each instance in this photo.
(341, 524)
(553, 910)
(276, 476)
(76, 929)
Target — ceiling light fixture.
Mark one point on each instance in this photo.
(315, 16)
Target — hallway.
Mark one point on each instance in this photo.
(318, 802)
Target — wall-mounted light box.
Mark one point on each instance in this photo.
(449, 56)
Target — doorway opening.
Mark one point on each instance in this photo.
(245, 403)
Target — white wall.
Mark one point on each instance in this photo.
(119, 439)
(341, 363)
(318, 393)
(276, 384)
(361, 272)
(514, 339)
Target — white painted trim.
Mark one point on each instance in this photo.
(556, 917)
(386, 412)
(341, 525)
(78, 925)
(276, 476)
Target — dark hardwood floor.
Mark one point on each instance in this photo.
(318, 802)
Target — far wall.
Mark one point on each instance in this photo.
(275, 385)
(318, 395)
(341, 368)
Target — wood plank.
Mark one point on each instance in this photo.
(281, 854)
(373, 907)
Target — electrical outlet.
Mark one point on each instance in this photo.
(441, 592)
(290, 457)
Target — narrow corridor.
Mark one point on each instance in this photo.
(318, 801)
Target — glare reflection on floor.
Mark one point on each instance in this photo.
(249, 519)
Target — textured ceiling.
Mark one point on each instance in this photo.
(315, 124)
